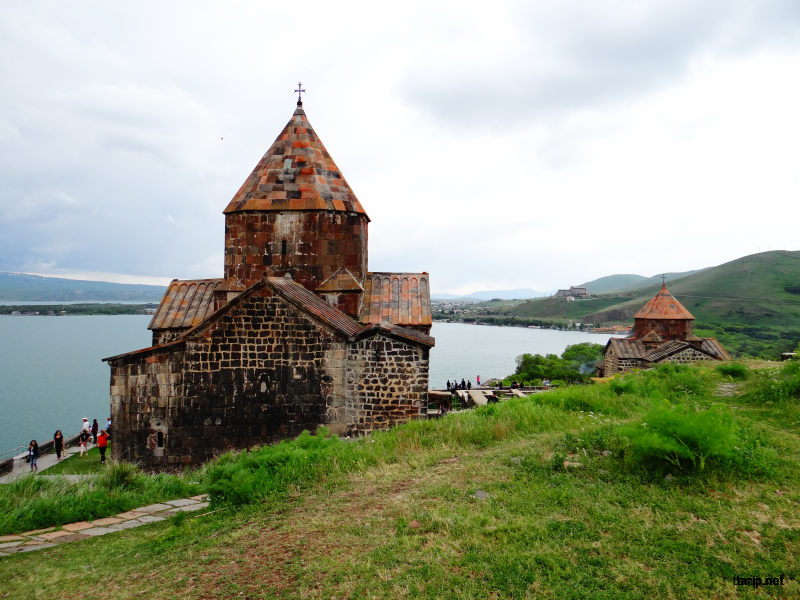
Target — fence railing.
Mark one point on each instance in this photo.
(7, 465)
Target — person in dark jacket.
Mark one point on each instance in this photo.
(95, 428)
(83, 440)
(58, 443)
(33, 455)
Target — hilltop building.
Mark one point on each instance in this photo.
(572, 293)
(298, 333)
(662, 332)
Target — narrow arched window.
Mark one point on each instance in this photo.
(283, 248)
(160, 441)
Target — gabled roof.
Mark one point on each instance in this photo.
(663, 306)
(341, 281)
(625, 348)
(712, 347)
(398, 332)
(186, 303)
(312, 304)
(296, 173)
(398, 298)
(665, 350)
(651, 336)
(306, 301)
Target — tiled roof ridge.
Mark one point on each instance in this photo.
(399, 298)
(397, 331)
(296, 174)
(311, 304)
(663, 306)
(185, 303)
(341, 280)
(176, 342)
(665, 349)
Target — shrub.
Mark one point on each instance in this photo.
(778, 387)
(121, 476)
(681, 437)
(733, 370)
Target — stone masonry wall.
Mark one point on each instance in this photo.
(258, 376)
(162, 336)
(261, 372)
(144, 391)
(317, 244)
(689, 355)
(668, 329)
(612, 364)
(387, 383)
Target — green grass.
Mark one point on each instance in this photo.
(74, 464)
(35, 502)
(477, 505)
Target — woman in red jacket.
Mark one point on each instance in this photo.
(102, 443)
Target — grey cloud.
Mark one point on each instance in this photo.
(592, 56)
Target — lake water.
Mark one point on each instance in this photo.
(51, 374)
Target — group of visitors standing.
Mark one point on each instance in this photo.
(98, 436)
(89, 431)
(466, 384)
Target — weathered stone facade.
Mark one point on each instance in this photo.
(295, 336)
(311, 246)
(387, 383)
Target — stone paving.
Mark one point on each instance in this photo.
(49, 537)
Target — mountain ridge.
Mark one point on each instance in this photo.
(26, 287)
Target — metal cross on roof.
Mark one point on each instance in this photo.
(664, 279)
(299, 91)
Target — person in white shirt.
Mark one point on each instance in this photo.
(86, 425)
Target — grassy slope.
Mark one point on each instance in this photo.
(747, 290)
(74, 464)
(613, 283)
(415, 529)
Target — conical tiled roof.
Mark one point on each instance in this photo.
(663, 306)
(296, 173)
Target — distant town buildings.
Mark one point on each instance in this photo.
(662, 332)
(573, 293)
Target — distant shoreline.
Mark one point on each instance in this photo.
(91, 307)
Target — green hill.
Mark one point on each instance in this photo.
(623, 283)
(613, 283)
(752, 303)
(20, 286)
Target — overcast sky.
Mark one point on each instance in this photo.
(493, 144)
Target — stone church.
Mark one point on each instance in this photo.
(662, 332)
(298, 333)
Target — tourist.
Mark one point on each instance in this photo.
(478, 381)
(33, 455)
(463, 384)
(102, 444)
(469, 384)
(58, 443)
(448, 385)
(95, 428)
(108, 426)
(86, 426)
(83, 439)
